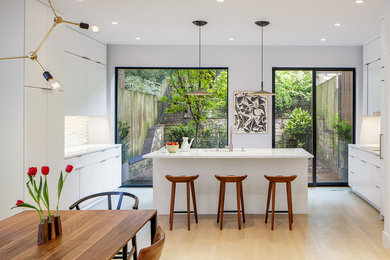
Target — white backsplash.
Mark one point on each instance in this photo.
(370, 131)
(76, 130)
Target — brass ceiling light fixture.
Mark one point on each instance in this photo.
(53, 84)
(262, 24)
(200, 92)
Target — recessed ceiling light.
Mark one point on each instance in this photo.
(359, 1)
(220, 1)
(138, 38)
(80, 0)
(337, 24)
(323, 39)
(114, 23)
(231, 39)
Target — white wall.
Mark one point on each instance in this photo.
(11, 105)
(244, 69)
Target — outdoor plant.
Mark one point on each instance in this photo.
(177, 132)
(298, 126)
(342, 128)
(123, 134)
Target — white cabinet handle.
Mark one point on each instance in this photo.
(380, 146)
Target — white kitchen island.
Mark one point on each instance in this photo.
(208, 162)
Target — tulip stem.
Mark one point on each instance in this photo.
(59, 192)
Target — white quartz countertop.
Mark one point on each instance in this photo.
(78, 150)
(370, 148)
(278, 153)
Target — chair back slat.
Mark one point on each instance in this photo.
(118, 207)
(109, 202)
(109, 194)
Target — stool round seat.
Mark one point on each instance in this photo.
(189, 180)
(271, 193)
(182, 178)
(280, 178)
(231, 178)
(240, 198)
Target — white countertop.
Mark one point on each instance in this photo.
(78, 150)
(279, 153)
(370, 148)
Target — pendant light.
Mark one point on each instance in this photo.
(52, 83)
(199, 92)
(262, 24)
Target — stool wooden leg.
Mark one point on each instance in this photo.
(273, 205)
(242, 203)
(173, 191)
(238, 204)
(291, 208)
(219, 201)
(194, 201)
(222, 203)
(288, 188)
(188, 206)
(268, 200)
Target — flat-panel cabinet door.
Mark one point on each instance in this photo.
(90, 180)
(96, 89)
(71, 190)
(374, 83)
(116, 172)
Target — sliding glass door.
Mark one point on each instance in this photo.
(314, 110)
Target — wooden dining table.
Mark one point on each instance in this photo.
(86, 234)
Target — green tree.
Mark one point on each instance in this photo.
(298, 126)
(293, 88)
(200, 108)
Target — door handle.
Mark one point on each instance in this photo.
(380, 146)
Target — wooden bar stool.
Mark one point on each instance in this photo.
(271, 188)
(240, 198)
(190, 186)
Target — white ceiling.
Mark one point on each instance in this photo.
(293, 22)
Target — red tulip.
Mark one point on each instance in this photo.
(69, 168)
(19, 202)
(32, 171)
(45, 170)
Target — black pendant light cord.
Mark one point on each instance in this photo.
(200, 47)
(262, 57)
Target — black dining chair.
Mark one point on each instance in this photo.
(109, 194)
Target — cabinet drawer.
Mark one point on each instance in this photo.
(95, 157)
(363, 155)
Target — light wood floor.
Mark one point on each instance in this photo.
(339, 226)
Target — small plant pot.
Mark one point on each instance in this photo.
(57, 226)
(50, 227)
(43, 233)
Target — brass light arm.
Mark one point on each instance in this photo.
(14, 58)
(47, 35)
(77, 24)
(52, 8)
(81, 25)
(40, 65)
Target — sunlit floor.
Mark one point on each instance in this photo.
(339, 225)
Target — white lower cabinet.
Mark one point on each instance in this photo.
(94, 172)
(364, 175)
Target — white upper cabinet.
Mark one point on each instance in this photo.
(85, 76)
(372, 78)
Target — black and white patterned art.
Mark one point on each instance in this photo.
(250, 113)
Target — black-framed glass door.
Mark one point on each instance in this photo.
(314, 109)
